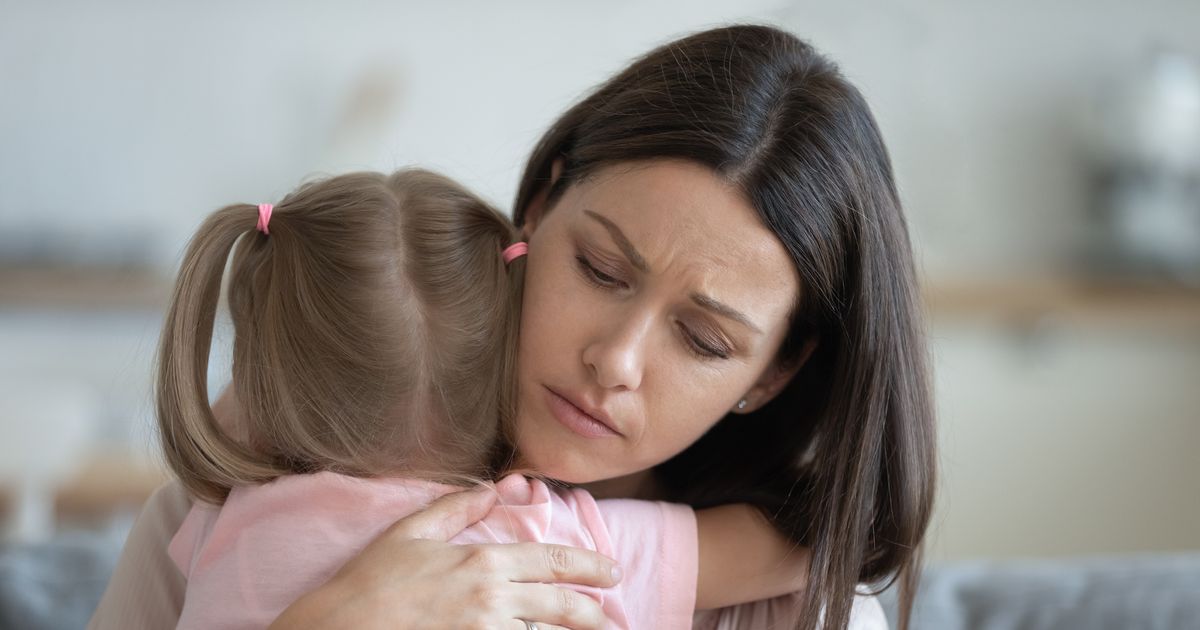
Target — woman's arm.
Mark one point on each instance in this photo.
(743, 558)
(146, 590)
(756, 576)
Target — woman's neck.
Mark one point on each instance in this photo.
(639, 485)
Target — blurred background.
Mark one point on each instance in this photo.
(1048, 155)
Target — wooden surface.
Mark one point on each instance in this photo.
(103, 484)
(79, 288)
(1076, 301)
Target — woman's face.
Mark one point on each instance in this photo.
(655, 300)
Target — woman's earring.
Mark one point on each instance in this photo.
(741, 404)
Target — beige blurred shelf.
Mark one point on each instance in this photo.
(1073, 300)
(103, 485)
(106, 483)
(81, 288)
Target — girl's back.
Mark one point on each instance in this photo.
(246, 561)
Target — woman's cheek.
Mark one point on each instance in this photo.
(681, 414)
(714, 389)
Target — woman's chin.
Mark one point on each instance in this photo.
(565, 466)
(574, 475)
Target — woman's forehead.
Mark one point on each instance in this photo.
(686, 223)
(660, 197)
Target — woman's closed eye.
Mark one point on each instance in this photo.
(596, 276)
(703, 348)
(697, 344)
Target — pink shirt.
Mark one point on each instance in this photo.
(247, 560)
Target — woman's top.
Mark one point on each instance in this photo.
(779, 613)
(147, 590)
(249, 559)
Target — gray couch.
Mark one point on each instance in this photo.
(1135, 592)
(55, 585)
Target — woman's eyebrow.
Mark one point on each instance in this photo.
(708, 303)
(631, 252)
(701, 300)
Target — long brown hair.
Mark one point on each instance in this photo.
(843, 461)
(374, 333)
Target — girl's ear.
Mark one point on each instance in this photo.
(777, 376)
(537, 205)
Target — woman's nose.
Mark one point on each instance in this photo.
(617, 358)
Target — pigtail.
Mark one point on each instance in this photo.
(207, 460)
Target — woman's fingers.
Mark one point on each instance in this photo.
(444, 518)
(543, 562)
(511, 581)
(549, 604)
(520, 625)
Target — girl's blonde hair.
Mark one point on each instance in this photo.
(374, 332)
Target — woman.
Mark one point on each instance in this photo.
(719, 275)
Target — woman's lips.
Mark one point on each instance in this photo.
(575, 419)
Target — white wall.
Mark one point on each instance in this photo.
(1068, 440)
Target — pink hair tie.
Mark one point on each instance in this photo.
(264, 217)
(514, 251)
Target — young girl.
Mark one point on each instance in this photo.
(375, 321)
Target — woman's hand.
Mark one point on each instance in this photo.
(411, 578)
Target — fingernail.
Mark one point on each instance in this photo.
(616, 573)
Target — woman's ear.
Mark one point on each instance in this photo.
(777, 376)
(537, 205)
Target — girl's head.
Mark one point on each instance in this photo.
(719, 223)
(374, 332)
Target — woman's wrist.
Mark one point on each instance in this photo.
(324, 607)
